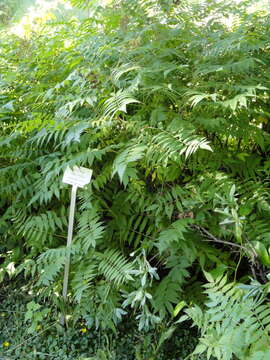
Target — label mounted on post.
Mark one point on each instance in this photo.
(77, 176)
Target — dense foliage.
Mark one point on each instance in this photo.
(168, 103)
(50, 341)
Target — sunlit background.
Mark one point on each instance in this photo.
(30, 14)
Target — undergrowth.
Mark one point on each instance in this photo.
(49, 340)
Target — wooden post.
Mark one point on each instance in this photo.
(77, 177)
(69, 242)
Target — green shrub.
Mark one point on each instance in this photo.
(168, 103)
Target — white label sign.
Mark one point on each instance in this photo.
(78, 176)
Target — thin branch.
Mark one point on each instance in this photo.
(212, 238)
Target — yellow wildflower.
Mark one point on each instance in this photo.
(84, 330)
(38, 327)
(6, 344)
